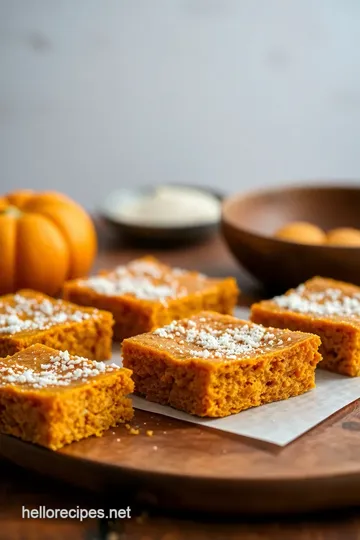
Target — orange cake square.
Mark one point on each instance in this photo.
(147, 294)
(30, 317)
(52, 398)
(328, 308)
(216, 365)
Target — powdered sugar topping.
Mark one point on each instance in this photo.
(31, 313)
(143, 279)
(211, 340)
(142, 288)
(330, 302)
(61, 370)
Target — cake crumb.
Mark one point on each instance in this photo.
(149, 433)
(155, 447)
(131, 430)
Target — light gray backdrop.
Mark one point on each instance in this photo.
(231, 93)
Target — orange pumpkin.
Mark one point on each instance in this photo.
(45, 239)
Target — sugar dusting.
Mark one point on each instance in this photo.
(143, 279)
(61, 370)
(211, 340)
(329, 302)
(141, 288)
(37, 313)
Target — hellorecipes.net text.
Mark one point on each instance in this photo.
(43, 512)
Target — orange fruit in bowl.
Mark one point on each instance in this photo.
(301, 232)
(344, 236)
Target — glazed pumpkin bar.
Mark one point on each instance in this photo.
(29, 317)
(216, 365)
(328, 308)
(52, 398)
(147, 294)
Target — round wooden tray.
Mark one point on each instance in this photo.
(185, 466)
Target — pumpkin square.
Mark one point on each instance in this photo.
(215, 365)
(322, 306)
(147, 294)
(30, 317)
(51, 398)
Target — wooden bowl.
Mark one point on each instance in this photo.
(249, 221)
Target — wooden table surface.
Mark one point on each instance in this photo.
(20, 488)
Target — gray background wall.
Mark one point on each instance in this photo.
(230, 93)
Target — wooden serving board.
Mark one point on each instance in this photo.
(185, 466)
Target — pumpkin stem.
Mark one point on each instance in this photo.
(11, 211)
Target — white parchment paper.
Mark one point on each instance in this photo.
(277, 423)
